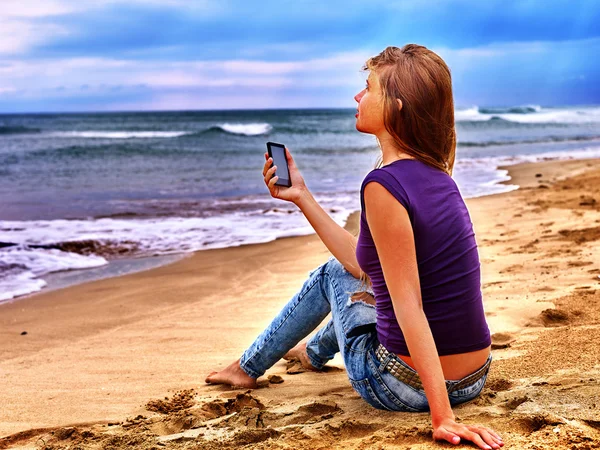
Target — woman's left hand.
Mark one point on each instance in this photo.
(449, 430)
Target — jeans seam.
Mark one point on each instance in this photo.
(300, 297)
(336, 292)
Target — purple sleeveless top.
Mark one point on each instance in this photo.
(447, 258)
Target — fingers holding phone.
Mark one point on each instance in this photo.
(278, 153)
(281, 175)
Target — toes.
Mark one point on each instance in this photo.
(208, 380)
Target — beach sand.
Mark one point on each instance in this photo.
(121, 362)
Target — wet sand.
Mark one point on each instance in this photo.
(121, 362)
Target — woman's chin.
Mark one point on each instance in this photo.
(360, 128)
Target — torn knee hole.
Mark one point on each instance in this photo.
(364, 297)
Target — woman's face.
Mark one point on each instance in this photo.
(369, 117)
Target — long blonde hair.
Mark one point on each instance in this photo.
(424, 127)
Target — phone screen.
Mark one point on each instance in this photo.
(280, 161)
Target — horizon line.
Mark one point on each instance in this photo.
(117, 111)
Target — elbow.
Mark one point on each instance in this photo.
(409, 312)
(353, 270)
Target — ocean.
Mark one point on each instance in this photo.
(89, 195)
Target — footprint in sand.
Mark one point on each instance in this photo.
(579, 263)
(294, 366)
(499, 385)
(554, 317)
(181, 400)
(514, 402)
(502, 340)
(219, 407)
(531, 423)
(353, 429)
(545, 288)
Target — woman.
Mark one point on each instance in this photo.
(423, 344)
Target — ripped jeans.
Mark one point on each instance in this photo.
(350, 331)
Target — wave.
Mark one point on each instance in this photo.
(245, 129)
(18, 130)
(32, 249)
(528, 109)
(21, 265)
(529, 141)
(529, 114)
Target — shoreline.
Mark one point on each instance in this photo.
(140, 336)
(120, 267)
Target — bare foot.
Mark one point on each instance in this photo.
(299, 353)
(232, 375)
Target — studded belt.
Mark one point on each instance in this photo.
(411, 377)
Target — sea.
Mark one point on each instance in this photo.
(91, 195)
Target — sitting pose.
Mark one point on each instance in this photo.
(405, 296)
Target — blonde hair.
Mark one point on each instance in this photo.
(424, 127)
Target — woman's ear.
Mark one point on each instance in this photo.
(399, 103)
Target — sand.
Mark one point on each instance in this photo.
(121, 362)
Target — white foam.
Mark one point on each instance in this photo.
(22, 283)
(247, 129)
(36, 263)
(469, 114)
(155, 236)
(541, 115)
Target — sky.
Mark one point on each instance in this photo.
(113, 55)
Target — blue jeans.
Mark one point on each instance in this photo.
(350, 331)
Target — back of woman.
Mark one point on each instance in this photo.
(447, 258)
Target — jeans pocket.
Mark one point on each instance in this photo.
(402, 396)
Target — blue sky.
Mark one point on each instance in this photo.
(102, 55)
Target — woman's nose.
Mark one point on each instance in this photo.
(358, 96)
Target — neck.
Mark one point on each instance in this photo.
(389, 150)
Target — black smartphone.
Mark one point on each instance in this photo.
(277, 152)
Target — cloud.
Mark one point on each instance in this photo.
(18, 34)
(339, 69)
(46, 8)
(26, 25)
(36, 8)
(273, 53)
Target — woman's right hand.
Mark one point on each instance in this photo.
(292, 193)
(449, 430)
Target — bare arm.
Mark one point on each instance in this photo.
(340, 242)
(394, 239)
